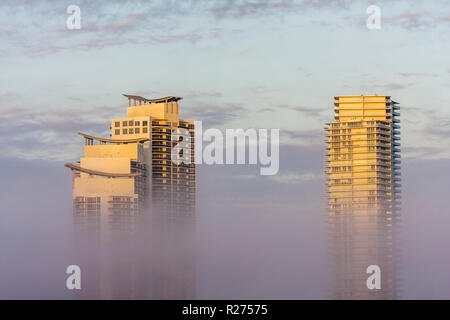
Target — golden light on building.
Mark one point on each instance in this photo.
(362, 166)
(133, 205)
(133, 170)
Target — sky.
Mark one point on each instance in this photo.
(237, 64)
(270, 64)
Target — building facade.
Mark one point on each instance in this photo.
(362, 167)
(130, 200)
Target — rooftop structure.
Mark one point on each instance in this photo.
(126, 180)
(362, 167)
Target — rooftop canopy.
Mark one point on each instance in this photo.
(90, 139)
(143, 100)
(101, 173)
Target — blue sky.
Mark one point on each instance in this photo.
(274, 64)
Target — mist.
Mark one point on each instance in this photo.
(254, 237)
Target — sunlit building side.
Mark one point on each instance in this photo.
(128, 183)
(172, 187)
(362, 166)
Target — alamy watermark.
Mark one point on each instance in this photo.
(73, 281)
(374, 20)
(374, 280)
(251, 146)
(73, 22)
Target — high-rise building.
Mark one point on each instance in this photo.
(362, 165)
(110, 180)
(139, 152)
(128, 182)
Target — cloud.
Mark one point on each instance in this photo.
(285, 178)
(393, 86)
(244, 8)
(409, 21)
(267, 109)
(117, 23)
(424, 152)
(299, 165)
(8, 96)
(191, 36)
(193, 94)
(213, 115)
(413, 74)
(103, 24)
(50, 133)
(293, 177)
(440, 130)
(308, 111)
(235, 219)
(127, 23)
(303, 136)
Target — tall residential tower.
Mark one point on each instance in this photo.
(363, 183)
(138, 156)
(135, 207)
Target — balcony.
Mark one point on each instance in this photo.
(343, 175)
(381, 182)
(351, 188)
(357, 125)
(330, 153)
(366, 163)
(356, 157)
(376, 137)
(383, 132)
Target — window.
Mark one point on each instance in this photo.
(137, 123)
(124, 123)
(136, 130)
(117, 124)
(124, 131)
(144, 130)
(144, 123)
(130, 131)
(130, 123)
(117, 131)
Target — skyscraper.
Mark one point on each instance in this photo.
(129, 181)
(139, 149)
(363, 183)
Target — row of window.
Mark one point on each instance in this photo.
(130, 123)
(131, 131)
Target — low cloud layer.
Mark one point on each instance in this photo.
(257, 237)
